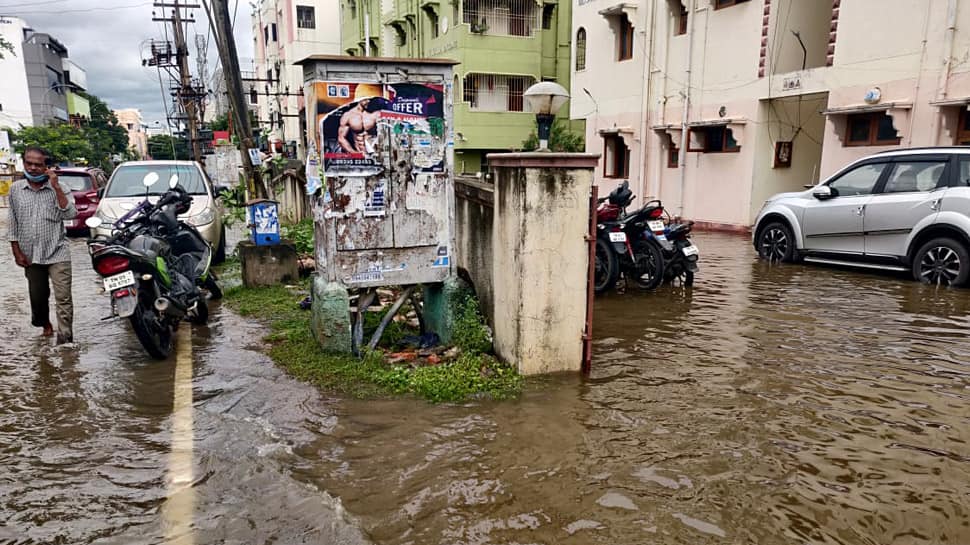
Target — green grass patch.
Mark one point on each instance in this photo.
(473, 374)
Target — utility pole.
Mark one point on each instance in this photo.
(186, 95)
(222, 30)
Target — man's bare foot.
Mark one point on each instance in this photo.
(48, 330)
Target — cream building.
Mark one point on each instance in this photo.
(131, 120)
(714, 105)
(284, 32)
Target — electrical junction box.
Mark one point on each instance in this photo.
(380, 167)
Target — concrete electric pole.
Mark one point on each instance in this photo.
(225, 42)
(186, 95)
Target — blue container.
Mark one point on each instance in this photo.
(264, 222)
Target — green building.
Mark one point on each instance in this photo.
(503, 47)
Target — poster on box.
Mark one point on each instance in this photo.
(349, 117)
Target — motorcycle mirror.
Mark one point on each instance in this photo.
(93, 222)
(173, 182)
(150, 179)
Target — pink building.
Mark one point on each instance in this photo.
(131, 120)
(714, 105)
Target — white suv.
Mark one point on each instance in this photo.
(899, 210)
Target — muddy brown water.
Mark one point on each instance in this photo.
(768, 404)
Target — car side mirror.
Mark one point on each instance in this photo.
(101, 193)
(824, 193)
(221, 190)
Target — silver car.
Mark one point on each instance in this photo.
(125, 190)
(900, 210)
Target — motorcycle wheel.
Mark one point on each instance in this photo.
(606, 267)
(156, 338)
(648, 269)
(212, 286)
(201, 313)
(686, 278)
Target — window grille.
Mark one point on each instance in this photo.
(501, 17)
(496, 93)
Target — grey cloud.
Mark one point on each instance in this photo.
(109, 46)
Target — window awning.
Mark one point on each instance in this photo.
(963, 101)
(623, 8)
(868, 108)
(626, 133)
(898, 111)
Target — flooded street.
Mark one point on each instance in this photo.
(769, 404)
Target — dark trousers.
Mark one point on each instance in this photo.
(40, 278)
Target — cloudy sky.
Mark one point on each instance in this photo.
(108, 38)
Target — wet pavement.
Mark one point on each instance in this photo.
(768, 404)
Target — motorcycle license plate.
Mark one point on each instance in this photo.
(656, 225)
(690, 250)
(119, 281)
(617, 237)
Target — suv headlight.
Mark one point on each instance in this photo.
(206, 216)
(105, 217)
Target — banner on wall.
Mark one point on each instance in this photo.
(351, 119)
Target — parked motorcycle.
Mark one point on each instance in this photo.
(626, 243)
(155, 267)
(681, 258)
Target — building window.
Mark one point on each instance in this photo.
(718, 4)
(266, 34)
(963, 133)
(625, 39)
(253, 96)
(673, 154)
(495, 93)
(680, 19)
(715, 139)
(873, 129)
(273, 32)
(306, 17)
(581, 49)
(501, 17)
(616, 157)
(548, 12)
(432, 20)
(55, 81)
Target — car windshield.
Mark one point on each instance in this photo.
(75, 181)
(127, 180)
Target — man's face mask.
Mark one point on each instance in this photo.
(39, 179)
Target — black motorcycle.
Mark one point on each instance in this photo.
(681, 256)
(155, 267)
(626, 243)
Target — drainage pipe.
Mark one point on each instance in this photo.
(951, 26)
(646, 186)
(684, 133)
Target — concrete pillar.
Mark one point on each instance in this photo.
(541, 258)
(330, 316)
(441, 304)
(268, 265)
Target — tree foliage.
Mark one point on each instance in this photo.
(160, 148)
(108, 138)
(5, 47)
(100, 142)
(220, 123)
(64, 142)
(561, 138)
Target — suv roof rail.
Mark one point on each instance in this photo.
(924, 148)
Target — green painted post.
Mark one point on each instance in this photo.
(330, 318)
(441, 306)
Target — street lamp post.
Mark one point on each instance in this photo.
(545, 99)
(46, 95)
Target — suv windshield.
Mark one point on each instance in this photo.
(127, 180)
(75, 181)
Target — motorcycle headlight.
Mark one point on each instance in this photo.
(206, 216)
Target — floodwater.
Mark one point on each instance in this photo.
(769, 404)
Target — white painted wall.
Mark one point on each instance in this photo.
(14, 92)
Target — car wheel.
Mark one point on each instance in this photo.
(942, 261)
(776, 242)
(220, 256)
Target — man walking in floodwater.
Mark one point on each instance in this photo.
(39, 205)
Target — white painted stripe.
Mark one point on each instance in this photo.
(179, 509)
